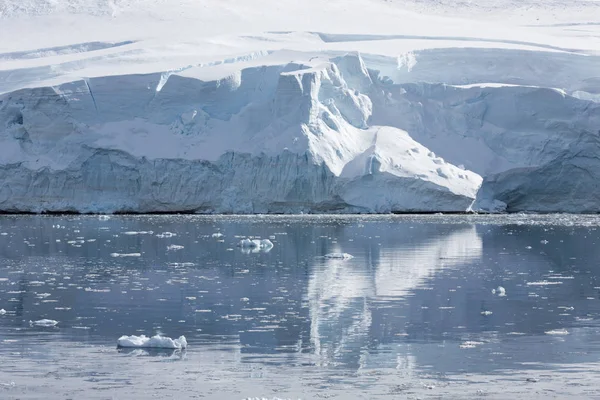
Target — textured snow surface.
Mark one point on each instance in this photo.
(338, 106)
(154, 342)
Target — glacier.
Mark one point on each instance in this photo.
(321, 118)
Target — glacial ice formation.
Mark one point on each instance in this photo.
(346, 110)
(154, 342)
(273, 139)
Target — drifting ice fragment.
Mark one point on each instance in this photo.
(557, 332)
(500, 291)
(338, 256)
(2, 311)
(255, 244)
(217, 235)
(125, 255)
(44, 322)
(166, 235)
(154, 342)
(174, 247)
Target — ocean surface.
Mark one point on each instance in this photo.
(427, 307)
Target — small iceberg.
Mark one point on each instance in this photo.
(500, 291)
(255, 243)
(338, 256)
(217, 235)
(174, 247)
(154, 342)
(47, 323)
(2, 311)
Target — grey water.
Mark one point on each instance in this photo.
(416, 313)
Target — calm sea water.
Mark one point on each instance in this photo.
(412, 315)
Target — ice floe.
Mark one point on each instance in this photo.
(125, 255)
(500, 291)
(557, 332)
(44, 323)
(544, 283)
(154, 342)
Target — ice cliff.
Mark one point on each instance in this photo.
(290, 138)
(361, 106)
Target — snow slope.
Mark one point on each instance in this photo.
(278, 106)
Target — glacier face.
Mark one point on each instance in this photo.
(221, 107)
(333, 136)
(289, 138)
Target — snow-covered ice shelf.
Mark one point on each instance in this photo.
(342, 106)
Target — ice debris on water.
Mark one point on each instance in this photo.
(2, 311)
(486, 313)
(544, 283)
(44, 322)
(154, 342)
(557, 332)
(174, 247)
(125, 255)
(166, 235)
(255, 244)
(338, 256)
(500, 291)
(217, 235)
(134, 233)
(470, 344)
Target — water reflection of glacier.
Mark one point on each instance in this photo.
(340, 293)
(402, 269)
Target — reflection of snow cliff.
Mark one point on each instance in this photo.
(339, 291)
(404, 269)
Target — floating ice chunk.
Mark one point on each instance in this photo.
(486, 313)
(557, 332)
(544, 283)
(103, 217)
(2, 311)
(154, 342)
(174, 247)
(338, 256)
(470, 344)
(125, 254)
(166, 235)
(255, 244)
(217, 235)
(544, 242)
(44, 322)
(500, 291)
(132, 233)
